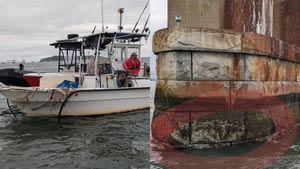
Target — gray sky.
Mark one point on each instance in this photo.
(158, 10)
(158, 14)
(27, 27)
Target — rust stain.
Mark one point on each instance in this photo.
(257, 43)
(236, 67)
(274, 47)
(281, 71)
(272, 88)
(291, 72)
(247, 16)
(203, 89)
(297, 54)
(258, 68)
(291, 52)
(273, 69)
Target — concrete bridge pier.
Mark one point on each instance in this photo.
(228, 72)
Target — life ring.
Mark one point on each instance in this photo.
(167, 122)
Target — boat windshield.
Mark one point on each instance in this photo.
(122, 53)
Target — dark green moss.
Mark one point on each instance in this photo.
(224, 129)
(165, 98)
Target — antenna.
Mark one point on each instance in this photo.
(121, 11)
(102, 15)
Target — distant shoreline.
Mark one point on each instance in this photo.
(48, 59)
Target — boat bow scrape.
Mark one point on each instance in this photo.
(30, 100)
(76, 102)
(20, 94)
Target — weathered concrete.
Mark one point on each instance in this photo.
(195, 39)
(227, 73)
(234, 61)
(204, 39)
(194, 13)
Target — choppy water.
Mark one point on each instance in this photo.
(112, 141)
(100, 142)
(33, 66)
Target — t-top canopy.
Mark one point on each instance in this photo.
(107, 37)
(67, 44)
(91, 41)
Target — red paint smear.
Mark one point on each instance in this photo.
(163, 125)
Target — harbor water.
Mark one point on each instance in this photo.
(99, 142)
(108, 142)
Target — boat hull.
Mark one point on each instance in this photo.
(79, 102)
(13, 77)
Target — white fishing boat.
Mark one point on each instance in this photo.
(81, 88)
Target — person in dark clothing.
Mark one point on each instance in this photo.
(21, 66)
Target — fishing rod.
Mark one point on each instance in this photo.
(140, 17)
(145, 29)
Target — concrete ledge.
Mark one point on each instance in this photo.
(196, 39)
(204, 39)
(203, 65)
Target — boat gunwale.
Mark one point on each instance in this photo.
(10, 88)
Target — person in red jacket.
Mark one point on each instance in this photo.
(132, 64)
